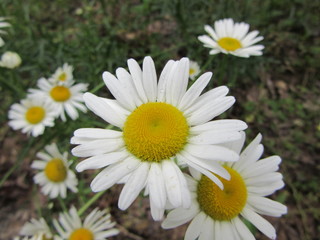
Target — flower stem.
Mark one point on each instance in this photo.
(89, 203)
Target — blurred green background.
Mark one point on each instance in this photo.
(277, 94)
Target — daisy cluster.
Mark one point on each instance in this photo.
(55, 97)
(8, 59)
(163, 137)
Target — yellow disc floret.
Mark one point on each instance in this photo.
(155, 131)
(35, 115)
(62, 77)
(81, 234)
(229, 44)
(191, 71)
(60, 93)
(55, 170)
(222, 205)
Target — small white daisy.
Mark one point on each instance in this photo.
(160, 122)
(55, 176)
(65, 98)
(10, 60)
(32, 115)
(62, 75)
(194, 70)
(36, 230)
(96, 226)
(216, 213)
(232, 38)
(3, 24)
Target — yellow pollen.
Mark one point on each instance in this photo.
(191, 71)
(55, 170)
(35, 115)
(222, 205)
(81, 234)
(229, 44)
(60, 93)
(62, 77)
(155, 131)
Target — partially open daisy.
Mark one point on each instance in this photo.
(62, 75)
(55, 176)
(36, 230)
(96, 226)
(65, 98)
(217, 213)
(160, 122)
(32, 115)
(194, 70)
(232, 38)
(3, 24)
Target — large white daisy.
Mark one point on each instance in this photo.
(36, 230)
(32, 115)
(62, 75)
(96, 226)
(65, 98)
(55, 176)
(160, 122)
(232, 38)
(217, 214)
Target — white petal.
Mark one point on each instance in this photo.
(212, 33)
(103, 110)
(162, 81)
(156, 186)
(95, 133)
(207, 230)
(133, 187)
(215, 137)
(223, 125)
(195, 227)
(259, 222)
(267, 165)
(120, 93)
(156, 213)
(136, 74)
(194, 91)
(242, 229)
(110, 175)
(101, 161)
(149, 79)
(97, 147)
(267, 206)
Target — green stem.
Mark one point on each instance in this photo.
(63, 206)
(90, 202)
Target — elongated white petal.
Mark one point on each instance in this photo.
(195, 227)
(242, 229)
(172, 183)
(156, 186)
(194, 91)
(95, 133)
(149, 79)
(215, 137)
(103, 110)
(162, 81)
(259, 222)
(267, 206)
(134, 186)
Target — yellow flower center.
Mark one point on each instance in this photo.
(60, 93)
(229, 44)
(191, 71)
(35, 115)
(55, 170)
(62, 77)
(155, 131)
(81, 234)
(222, 205)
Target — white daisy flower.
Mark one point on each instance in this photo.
(36, 230)
(215, 213)
(160, 122)
(96, 226)
(232, 38)
(65, 98)
(10, 60)
(194, 70)
(32, 115)
(62, 75)
(55, 176)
